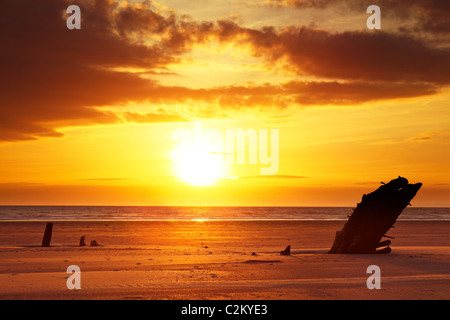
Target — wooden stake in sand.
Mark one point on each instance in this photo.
(94, 243)
(47, 235)
(82, 243)
(373, 217)
(286, 252)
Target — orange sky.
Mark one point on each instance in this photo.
(87, 116)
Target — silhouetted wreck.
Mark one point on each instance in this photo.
(373, 217)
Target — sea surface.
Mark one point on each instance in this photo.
(57, 213)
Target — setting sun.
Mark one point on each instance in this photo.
(197, 165)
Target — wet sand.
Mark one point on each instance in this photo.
(218, 260)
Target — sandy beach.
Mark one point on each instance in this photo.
(218, 260)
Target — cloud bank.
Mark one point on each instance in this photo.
(52, 77)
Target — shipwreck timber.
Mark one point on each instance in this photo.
(373, 217)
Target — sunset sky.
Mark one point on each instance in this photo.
(87, 116)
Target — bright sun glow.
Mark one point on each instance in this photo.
(197, 165)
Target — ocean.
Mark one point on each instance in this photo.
(60, 213)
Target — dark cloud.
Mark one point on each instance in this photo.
(317, 93)
(371, 56)
(52, 76)
(283, 95)
(431, 16)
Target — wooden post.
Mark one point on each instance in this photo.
(94, 243)
(47, 235)
(286, 252)
(373, 217)
(82, 243)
